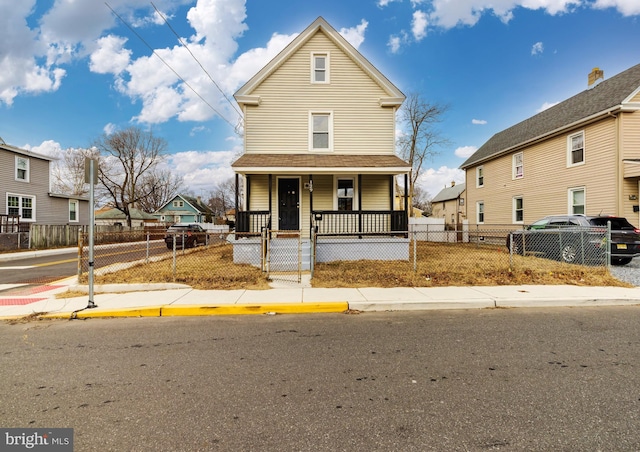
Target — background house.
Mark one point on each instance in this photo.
(25, 191)
(184, 209)
(319, 144)
(581, 156)
(115, 217)
(449, 205)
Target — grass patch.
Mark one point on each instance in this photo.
(438, 265)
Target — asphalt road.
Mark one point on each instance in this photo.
(510, 380)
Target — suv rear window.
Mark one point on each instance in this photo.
(616, 223)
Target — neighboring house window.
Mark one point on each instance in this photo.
(321, 128)
(22, 168)
(575, 153)
(480, 211)
(319, 68)
(22, 205)
(518, 209)
(178, 203)
(577, 204)
(345, 194)
(461, 202)
(480, 176)
(73, 210)
(518, 166)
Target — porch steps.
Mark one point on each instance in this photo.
(284, 254)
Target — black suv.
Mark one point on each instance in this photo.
(577, 239)
(186, 235)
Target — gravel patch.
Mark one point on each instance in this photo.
(629, 273)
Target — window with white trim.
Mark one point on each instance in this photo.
(178, 203)
(480, 212)
(22, 205)
(518, 209)
(577, 201)
(480, 176)
(345, 194)
(73, 210)
(319, 68)
(22, 168)
(518, 165)
(320, 131)
(575, 149)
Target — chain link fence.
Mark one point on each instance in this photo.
(477, 255)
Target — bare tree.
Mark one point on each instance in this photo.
(128, 158)
(421, 139)
(422, 200)
(68, 173)
(161, 186)
(222, 198)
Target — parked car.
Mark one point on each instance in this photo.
(578, 239)
(186, 235)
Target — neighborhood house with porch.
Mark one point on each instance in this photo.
(319, 157)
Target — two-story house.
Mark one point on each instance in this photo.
(319, 149)
(448, 204)
(25, 191)
(581, 156)
(184, 209)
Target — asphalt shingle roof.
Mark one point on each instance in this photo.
(602, 97)
(449, 193)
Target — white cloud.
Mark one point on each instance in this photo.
(478, 121)
(537, 48)
(465, 151)
(545, 106)
(202, 170)
(625, 7)
(394, 44)
(383, 3)
(434, 180)
(419, 25)
(109, 129)
(355, 35)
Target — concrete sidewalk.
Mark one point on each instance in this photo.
(153, 300)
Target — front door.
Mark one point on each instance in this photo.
(289, 207)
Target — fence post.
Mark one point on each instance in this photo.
(510, 251)
(80, 246)
(608, 263)
(415, 252)
(173, 265)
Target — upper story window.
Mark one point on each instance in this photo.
(319, 68)
(575, 151)
(73, 210)
(321, 131)
(518, 165)
(22, 168)
(22, 205)
(480, 176)
(178, 203)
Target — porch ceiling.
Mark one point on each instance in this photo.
(319, 163)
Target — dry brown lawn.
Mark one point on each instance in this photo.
(438, 265)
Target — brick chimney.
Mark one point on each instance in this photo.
(595, 77)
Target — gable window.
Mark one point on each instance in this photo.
(577, 198)
(518, 165)
(178, 203)
(480, 176)
(22, 205)
(73, 210)
(480, 212)
(320, 68)
(22, 168)
(345, 194)
(321, 128)
(575, 151)
(518, 209)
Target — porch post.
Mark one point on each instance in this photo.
(270, 198)
(359, 202)
(236, 195)
(406, 195)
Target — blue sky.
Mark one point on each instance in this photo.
(71, 70)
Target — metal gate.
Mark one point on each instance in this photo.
(282, 257)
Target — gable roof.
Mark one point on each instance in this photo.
(24, 152)
(197, 205)
(396, 97)
(449, 193)
(607, 97)
(115, 214)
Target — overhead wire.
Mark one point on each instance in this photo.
(184, 44)
(169, 66)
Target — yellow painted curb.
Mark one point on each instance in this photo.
(233, 309)
(152, 311)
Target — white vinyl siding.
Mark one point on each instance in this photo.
(280, 124)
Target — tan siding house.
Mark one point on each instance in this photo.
(579, 156)
(319, 142)
(449, 204)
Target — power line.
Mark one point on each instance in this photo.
(169, 66)
(181, 41)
